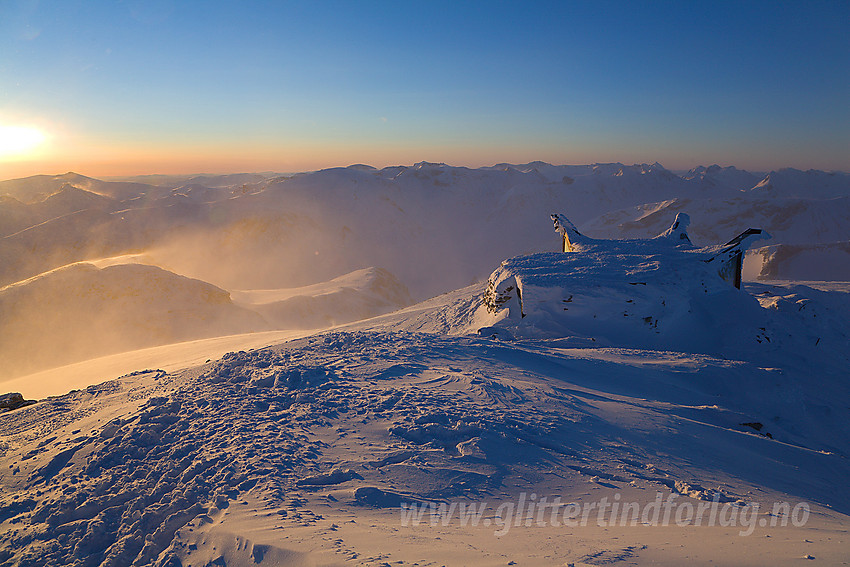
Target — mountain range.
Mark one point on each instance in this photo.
(448, 226)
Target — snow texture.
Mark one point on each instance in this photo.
(157, 467)
(626, 366)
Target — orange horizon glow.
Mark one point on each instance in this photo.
(62, 153)
(101, 160)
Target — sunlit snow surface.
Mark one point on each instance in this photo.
(635, 371)
(301, 453)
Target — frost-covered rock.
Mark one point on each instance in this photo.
(636, 292)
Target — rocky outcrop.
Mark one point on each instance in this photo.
(13, 401)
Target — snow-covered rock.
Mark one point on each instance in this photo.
(634, 292)
(13, 401)
(635, 370)
(788, 220)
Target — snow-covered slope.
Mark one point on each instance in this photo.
(791, 220)
(15, 216)
(123, 303)
(805, 212)
(302, 453)
(828, 261)
(39, 187)
(81, 311)
(455, 222)
(358, 295)
(811, 184)
(723, 179)
(433, 226)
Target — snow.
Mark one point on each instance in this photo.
(730, 178)
(828, 261)
(172, 357)
(319, 225)
(791, 220)
(651, 293)
(302, 452)
(636, 375)
(811, 184)
(81, 311)
(123, 303)
(350, 297)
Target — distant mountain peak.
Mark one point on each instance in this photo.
(429, 164)
(72, 176)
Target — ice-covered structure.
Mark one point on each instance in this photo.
(635, 291)
(727, 258)
(730, 259)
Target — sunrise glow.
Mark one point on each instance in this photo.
(323, 282)
(19, 141)
(280, 86)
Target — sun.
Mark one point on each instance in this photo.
(19, 141)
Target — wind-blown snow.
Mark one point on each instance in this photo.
(81, 311)
(456, 222)
(358, 295)
(91, 309)
(635, 368)
(269, 455)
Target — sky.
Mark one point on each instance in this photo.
(125, 87)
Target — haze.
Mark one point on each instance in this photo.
(360, 319)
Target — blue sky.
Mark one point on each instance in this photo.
(159, 86)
